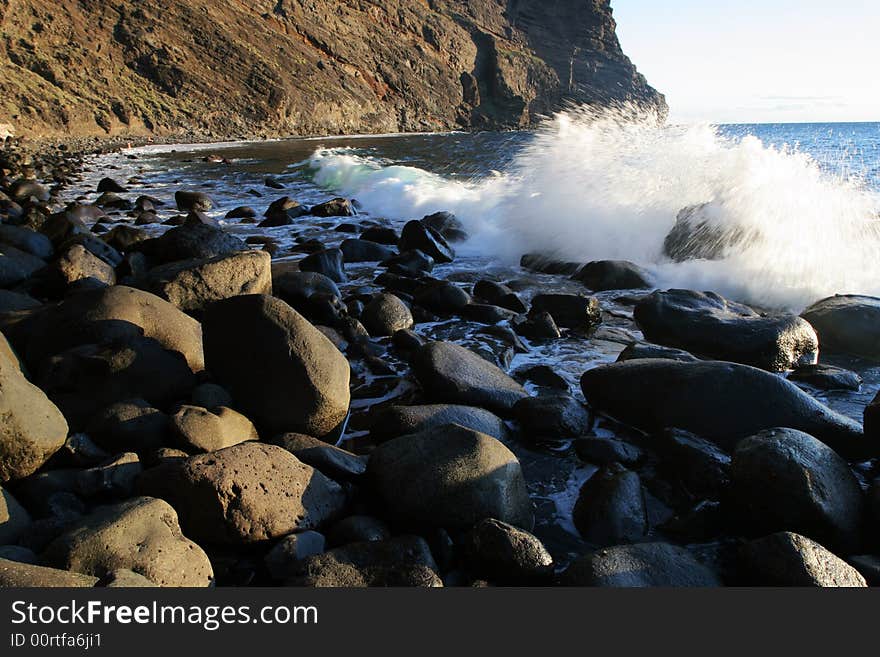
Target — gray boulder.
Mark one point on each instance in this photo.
(385, 315)
(848, 324)
(788, 559)
(611, 509)
(394, 421)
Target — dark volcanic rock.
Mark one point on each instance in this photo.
(450, 373)
(709, 325)
(443, 297)
(402, 561)
(385, 315)
(872, 419)
(848, 324)
(27, 240)
(359, 250)
(546, 265)
(246, 493)
(357, 529)
(190, 242)
(506, 554)
(337, 463)
(788, 559)
(603, 275)
(499, 295)
(394, 421)
(782, 479)
(639, 350)
(381, 235)
(283, 372)
(826, 377)
(640, 565)
(450, 477)
(337, 207)
(611, 509)
(328, 262)
(723, 402)
(131, 424)
(699, 463)
(696, 237)
(187, 201)
(415, 235)
(551, 417)
(605, 451)
(569, 310)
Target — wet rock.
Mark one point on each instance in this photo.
(571, 311)
(485, 313)
(395, 421)
(188, 200)
(337, 207)
(113, 201)
(450, 373)
(25, 191)
(272, 181)
(381, 235)
(287, 376)
(789, 559)
(506, 554)
(336, 463)
(611, 509)
(640, 565)
(551, 418)
(782, 479)
(246, 493)
(699, 463)
(601, 275)
(33, 428)
(407, 341)
(199, 430)
(449, 477)
(447, 224)
(848, 324)
(328, 262)
(538, 326)
(541, 375)
(410, 263)
(27, 240)
(707, 324)
(696, 236)
(358, 250)
(401, 561)
(192, 285)
(130, 424)
(17, 574)
(722, 402)
(281, 560)
(357, 529)
(872, 419)
(443, 297)
(305, 291)
(85, 379)
(385, 315)
(14, 518)
(546, 265)
(109, 185)
(639, 350)
(190, 242)
(425, 239)
(499, 295)
(605, 451)
(241, 212)
(826, 377)
(141, 534)
(16, 266)
(114, 313)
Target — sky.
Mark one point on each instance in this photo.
(757, 62)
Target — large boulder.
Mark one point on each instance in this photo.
(335, 462)
(640, 565)
(394, 421)
(506, 554)
(190, 242)
(25, 575)
(281, 371)
(199, 430)
(698, 235)
(385, 315)
(131, 424)
(720, 401)
(77, 263)
(555, 417)
(601, 275)
(32, 428)
(611, 508)
(417, 236)
(193, 284)
(16, 265)
(401, 561)
(788, 559)
(573, 311)
(244, 494)
(848, 324)
(141, 534)
(190, 200)
(449, 477)
(786, 480)
(27, 240)
(709, 325)
(327, 262)
(359, 250)
(450, 373)
(114, 313)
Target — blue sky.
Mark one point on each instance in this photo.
(747, 61)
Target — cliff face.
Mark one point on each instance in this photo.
(237, 68)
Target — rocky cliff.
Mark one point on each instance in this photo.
(236, 68)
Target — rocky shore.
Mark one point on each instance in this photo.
(183, 407)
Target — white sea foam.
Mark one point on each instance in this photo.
(609, 185)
